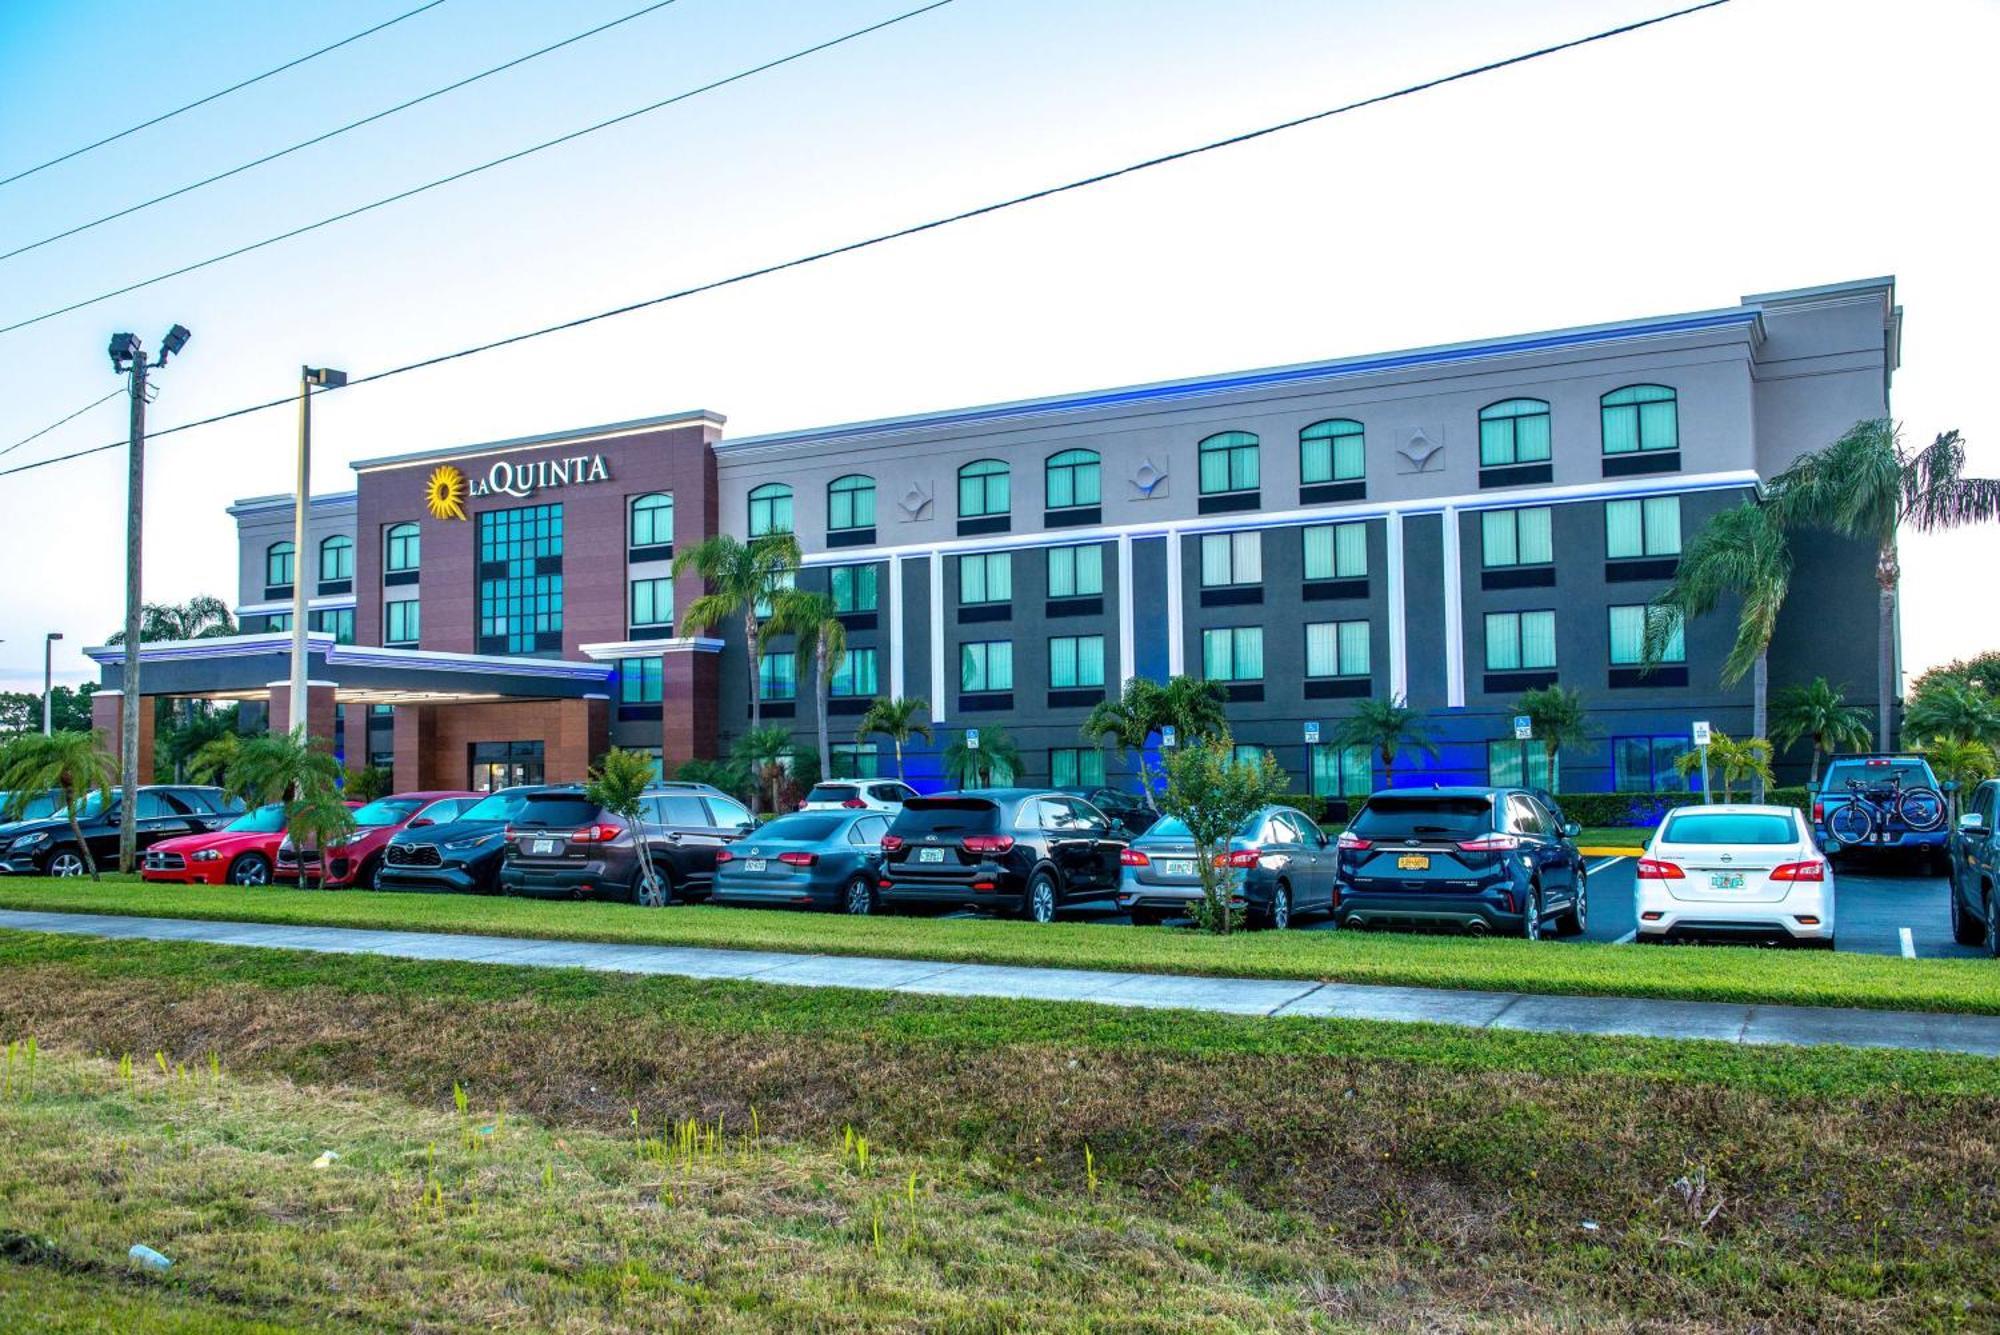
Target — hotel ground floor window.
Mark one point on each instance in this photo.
(1342, 771)
(497, 765)
(1512, 764)
(337, 621)
(400, 622)
(1646, 765)
(641, 681)
(1076, 767)
(856, 760)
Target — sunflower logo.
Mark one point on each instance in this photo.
(445, 492)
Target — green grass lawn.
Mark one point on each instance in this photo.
(1720, 974)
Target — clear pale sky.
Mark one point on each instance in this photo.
(1764, 145)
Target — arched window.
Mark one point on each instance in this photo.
(652, 521)
(1513, 431)
(278, 563)
(1640, 417)
(336, 558)
(1229, 462)
(401, 549)
(982, 489)
(1073, 479)
(1332, 451)
(770, 509)
(850, 502)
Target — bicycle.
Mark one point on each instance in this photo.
(1865, 816)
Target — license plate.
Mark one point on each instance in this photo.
(1178, 867)
(543, 847)
(753, 864)
(930, 855)
(1726, 880)
(1413, 862)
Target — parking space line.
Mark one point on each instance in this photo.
(1909, 943)
(1628, 938)
(1600, 866)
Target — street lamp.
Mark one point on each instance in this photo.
(310, 378)
(48, 681)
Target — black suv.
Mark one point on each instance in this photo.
(1128, 810)
(562, 844)
(462, 855)
(47, 847)
(1011, 850)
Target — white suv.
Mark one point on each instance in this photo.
(1736, 871)
(858, 795)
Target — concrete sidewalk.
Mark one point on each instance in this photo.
(1722, 1021)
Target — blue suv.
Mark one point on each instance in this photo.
(1881, 804)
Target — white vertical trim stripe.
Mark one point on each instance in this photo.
(938, 706)
(1454, 614)
(896, 627)
(1176, 634)
(1399, 653)
(1127, 668)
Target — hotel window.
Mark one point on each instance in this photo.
(1076, 767)
(1516, 538)
(1233, 653)
(400, 622)
(1337, 649)
(1332, 452)
(1244, 753)
(770, 509)
(1076, 661)
(1232, 559)
(856, 760)
(520, 580)
(1640, 418)
(1646, 764)
(986, 578)
(1229, 463)
(401, 549)
(652, 521)
(278, 621)
(641, 681)
(335, 621)
(986, 665)
(1628, 637)
(1342, 771)
(782, 582)
(1520, 641)
(1513, 431)
(1076, 572)
(778, 676)
(850, 503)
(1649, 527)
(1072, 479)
(652, 602)
(1336, 551)
(982, 489)
(336, 558)
(278, 563)
(856, 675)
(1512, 764)
(853, 588)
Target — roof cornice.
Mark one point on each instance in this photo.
(574, 436)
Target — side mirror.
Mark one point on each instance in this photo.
(1571, 829)
(420, 822)
(1971, 823)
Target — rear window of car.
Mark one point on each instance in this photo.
(1912, 773)
(1728, 827)
(946, 815)
(387, 811)
(557, 809)
(808, 827)
(264, 820)
(1169, 828)
(830, 792)
(1424, 818)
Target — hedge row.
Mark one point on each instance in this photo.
(1637, 810)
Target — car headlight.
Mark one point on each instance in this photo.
(30, 840)
(206, 855)
(476, 841)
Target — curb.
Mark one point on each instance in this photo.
(1609, 851)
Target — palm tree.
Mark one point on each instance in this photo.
(1386, 727)
(202, 617)
(995, 760)
(216, 758)
(76, 764)
(1559, 719)
(738, 574)
(1740, 552)
(1128, 723)
(1867, 486)
(1962, 764)
(301, 773)
(896, 719)
(1819, 712)
(763, 752)
(1193, 705)
(1962, 713)
(1729, 761)
(619, 784)
(811, 617)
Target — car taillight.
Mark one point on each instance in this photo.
(1132, 857)
(1239, 857)
(1649, 870)
(854, 804)
(1490, 843)
(510, 834)
(891, 842)
(798, 859)
(1819, 811)
(603, 832)
(1353, 841)
(724, 855)
(1800, 871)
(987, 843)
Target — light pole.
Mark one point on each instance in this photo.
(128, 358)
(48, 681)
(309, 377)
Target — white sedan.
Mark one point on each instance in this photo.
(1736, 871)
(885, 795)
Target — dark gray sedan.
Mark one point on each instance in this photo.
(1279, 864)
(811, 859)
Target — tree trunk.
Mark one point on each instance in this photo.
(76, 832)
(825, 751)
(1388, 768)
(751, 656)
(1812, 783)
(1760, 691)
(897, 743)
(1887, 573)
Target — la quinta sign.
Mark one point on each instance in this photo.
(448, 489)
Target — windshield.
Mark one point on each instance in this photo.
(39, 807)
(1424, 818)
(386, 811)
(805, 828)
(500, 807)
(830, 792)
(951, 816)
(264, 820)
(1732, 827)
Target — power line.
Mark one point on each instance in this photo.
(71, 418)
(233, 88)
(484, 166)
(914, 229)
(334, 133)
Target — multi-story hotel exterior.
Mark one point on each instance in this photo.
(1450, 525)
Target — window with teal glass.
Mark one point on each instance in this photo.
(336, 558)
(1332, 452)
(856, 760)
(1520, 641)
(641, 681)
(1076, 572)
(1649, 527)
(986, 665)
(521, 604)
(1076, 767)
(775, 584)
(1337, 649)
(1336, 551)
(400, 622)
(1516, 537)
(1076, 660)
(1244, 754)
(1233, 653)
(778, 676)
(1628, 637)
(855, 675)
(987, 577)
(1072, 479)
(850, 502)
(982, 489)
(278, 561)
(1513, 431)
(652, 521)
(1229, 462)
(335, 621)
(852, 588)
(1341, 771)
(1639, 418)
(1232, 559)
(1512, 764)
(402, 548)
(770, 509)
(652, 602)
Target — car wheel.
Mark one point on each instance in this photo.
(1992, 925)
(368, 876)
(66, 863)
(1575, 920)
(250, 869)
(1280, 918)
(1531, 914)
(1041, 905)
(648, 895)
(859, 897)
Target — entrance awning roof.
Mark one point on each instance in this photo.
(246, 666)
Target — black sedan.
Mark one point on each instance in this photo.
(812, 859)
(462, 855)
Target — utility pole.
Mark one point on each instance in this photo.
(325, 378)
(49, 681)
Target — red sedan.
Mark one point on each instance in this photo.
(240, 853)
(355, 860)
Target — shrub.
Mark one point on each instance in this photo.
(1644, 810)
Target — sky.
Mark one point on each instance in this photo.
(1764, 145)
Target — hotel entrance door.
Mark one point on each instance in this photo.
(505, 765)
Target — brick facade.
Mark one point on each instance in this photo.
(434, 742)
(107, 720)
